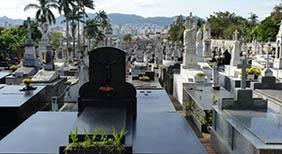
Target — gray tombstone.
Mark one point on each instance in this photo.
(29, 59)
(244, 75)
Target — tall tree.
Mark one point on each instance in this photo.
(253, 19)
(82, 5)
(74, 16)
(65, 8)
(44, 13)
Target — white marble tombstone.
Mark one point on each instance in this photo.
(44, 42)
(190, 57)
(199, 47)
(278, 54)
(207, 39)
(235, 54)
(267, 71)
(254, 47)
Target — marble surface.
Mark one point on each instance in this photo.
(3, 74)
(158, 129)
(267, 126)
(42, 133)
(273, 94)
(202, 95)
(153, 101)
(11, 96)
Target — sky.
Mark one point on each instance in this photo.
(153, 8)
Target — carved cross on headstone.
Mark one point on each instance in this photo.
(108, 75)
(244, 67)
(267, 71)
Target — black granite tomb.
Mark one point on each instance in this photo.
(16, 106)
(107, 101)
(168, 77)
(107, 86)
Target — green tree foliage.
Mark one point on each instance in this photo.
(11, 39)
(56, 38)
(177, 29)
(223, 24)
(269, 27)
(97, 28)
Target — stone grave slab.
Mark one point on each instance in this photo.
(165, 133)
(198, 102)
(202, 95)
(25, 71)
(16, 106)
(45, 76)
(101, 119)
(153, 101)
(246, 131)
(42, 133)
(3, 75)
(264, 125)
(274, 95)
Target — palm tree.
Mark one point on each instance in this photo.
(102, 19)
(44, 13)
(92, 29)
(65, 7)
(82, 4)
(253, 19)
(74, 16)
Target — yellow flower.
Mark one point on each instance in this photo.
(27, 81)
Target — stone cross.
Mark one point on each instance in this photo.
(236, 34)
(267, 71)
(244, 67)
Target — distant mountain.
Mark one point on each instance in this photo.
(8, 21)
(115, 19)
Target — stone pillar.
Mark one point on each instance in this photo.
(207, 39)
(190, 57)
(199, 46)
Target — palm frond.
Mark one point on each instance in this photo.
(31, 6)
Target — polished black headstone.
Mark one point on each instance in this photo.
(107, 86)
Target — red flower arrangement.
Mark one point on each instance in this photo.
(106, 88)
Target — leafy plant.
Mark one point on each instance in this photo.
(144, 78)
(102, 143)
(13, 67)
(214, 100)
